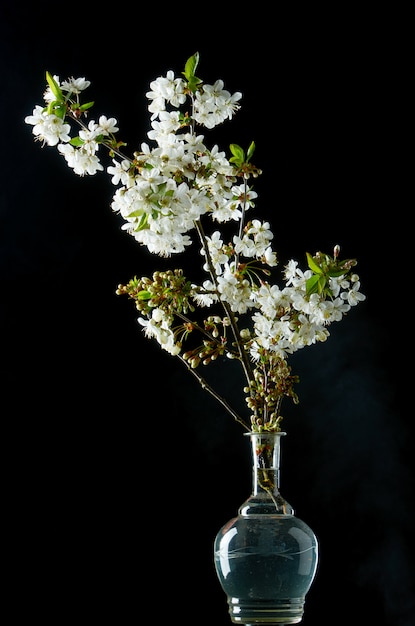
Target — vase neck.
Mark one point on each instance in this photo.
(265, 498)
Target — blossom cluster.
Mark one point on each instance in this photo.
(170, 191)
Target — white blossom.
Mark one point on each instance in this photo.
(174, 189)
(47, 127)
(80, 160)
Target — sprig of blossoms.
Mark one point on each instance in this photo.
(172, 190)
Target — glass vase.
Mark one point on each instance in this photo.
(266, 557)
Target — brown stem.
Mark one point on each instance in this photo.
(201, 330)
(206, 387)
(104, 143)
(235, 330)
(241, 223)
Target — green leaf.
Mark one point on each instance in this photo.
(313, 265)
(191, 65)
(77, 142)
(238, 155)
(316, 284)
(322, 282)
(143, 222)
(57, 108)
(312, 284)
(54, 87)
(251, 151)
(86, 106)
(137, 213)
(189, 72)
(237, 151)
(144, 295)
(336, 273)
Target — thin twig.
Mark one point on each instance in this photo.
(206, 387)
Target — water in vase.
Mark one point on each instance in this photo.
(266, 567)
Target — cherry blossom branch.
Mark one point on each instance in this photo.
(206, 387)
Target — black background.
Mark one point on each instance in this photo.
(119, 470)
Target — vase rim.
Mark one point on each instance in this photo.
(266, 433)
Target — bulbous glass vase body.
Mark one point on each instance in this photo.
(266, 558)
